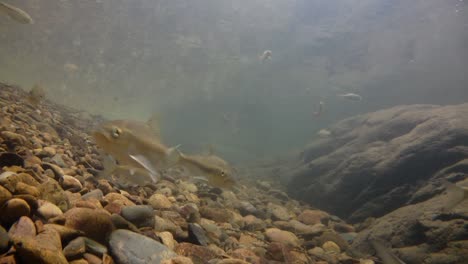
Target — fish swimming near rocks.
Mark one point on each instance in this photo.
(215, 170)
(133, 143)
(384, 253)
(456, 195)
(351, 97)
(124, 175)
(16, 14)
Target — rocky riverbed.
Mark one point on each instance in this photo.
(53, 208)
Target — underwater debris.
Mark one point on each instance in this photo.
(16, 14)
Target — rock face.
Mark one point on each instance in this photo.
(422, 233)
(375, 163)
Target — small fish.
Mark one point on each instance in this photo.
(319, 109)
(456, 194)
(324, 133)
(351, 96)
(266, 55)
(36, 95)
(384, 253)
(216, 170)
(16, 14)
(135, 144)
(124, 175)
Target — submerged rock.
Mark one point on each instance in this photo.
(376, 162)
(129, 247)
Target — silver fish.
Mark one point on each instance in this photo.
(351, 96)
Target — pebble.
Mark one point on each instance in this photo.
(23, 229)
(4, 240)
(130, 247)
(312, 217)
(94, 223)
(331, 247)
(5, 195)
(139, 215)
(159, 201)
(280, 236)
(48, 210)
(70, 183)
(13, 209)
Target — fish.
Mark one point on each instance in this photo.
(319, 109)
(16, 14)
(123, 175)
(456, 194)
(266, 55)
(36, 95)
(384, 253)
(351, 96)
(215, 170)
(324, 133)
(135, 144)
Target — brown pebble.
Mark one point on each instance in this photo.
(13, 209)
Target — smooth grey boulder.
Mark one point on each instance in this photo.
(374, 163)
(127, 247)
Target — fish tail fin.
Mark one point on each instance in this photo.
(173, 155)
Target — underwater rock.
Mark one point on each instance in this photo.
(13, 209)
(45, 248)
(95, 223)
(130, 247)
(196, 253)
(5, 195)
(23, 229)
(159, 201)
(281, 236)
(139, 215)
(48, 210)
(374, 163)
(11, 159)
(4, 240)
(197, 235)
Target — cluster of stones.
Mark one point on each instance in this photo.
(54, 210)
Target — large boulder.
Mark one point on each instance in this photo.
(421, 232)
(374, 163)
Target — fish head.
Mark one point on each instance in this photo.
(115, 140)
(221, 177)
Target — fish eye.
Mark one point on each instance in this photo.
(116, 132)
